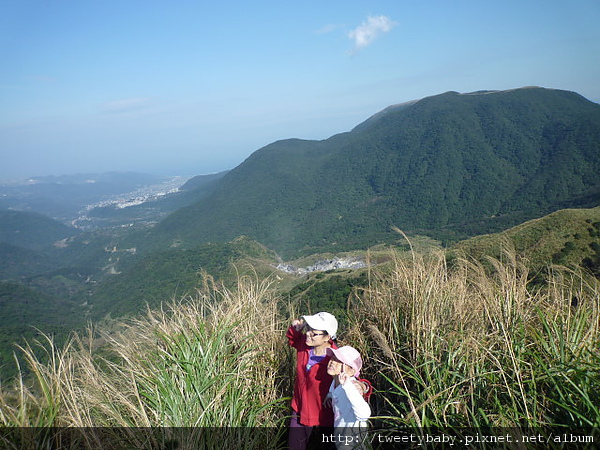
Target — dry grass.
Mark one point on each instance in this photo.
(475, 345)
(446, 345)
(208, 361)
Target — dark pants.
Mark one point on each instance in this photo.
(299, 434)
(299, 437)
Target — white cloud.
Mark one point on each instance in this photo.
(371, 29)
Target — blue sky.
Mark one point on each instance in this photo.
(192, 87)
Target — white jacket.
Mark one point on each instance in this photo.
(350, 409)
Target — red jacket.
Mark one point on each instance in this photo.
(310, 388)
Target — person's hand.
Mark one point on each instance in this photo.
(360, 386)
(298, 324)
(343, 376)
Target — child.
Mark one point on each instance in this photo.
(350, 410)
(311, 336)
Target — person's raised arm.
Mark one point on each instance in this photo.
(294, 332)
(360, 407)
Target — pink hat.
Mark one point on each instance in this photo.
(348, 355)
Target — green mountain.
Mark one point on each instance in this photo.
(19, 262)
(174, 273)
(451, 166)
(31, 230)
(201, 183)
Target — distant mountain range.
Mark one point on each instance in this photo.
(66, 198)
(452, 166)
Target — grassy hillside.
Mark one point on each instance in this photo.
(90, 279)
(568, 237)
(445, 165)
(176, 273)
(450, 349)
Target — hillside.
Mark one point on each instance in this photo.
(24, 312)
(201, 183)
(19, 262)
(31, 230)
(452, 350)
(445, 168)
(451, 166)
(568, 237)
(173, 273)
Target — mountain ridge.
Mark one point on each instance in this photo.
(569, 237)
(437, 162)
(32, 230)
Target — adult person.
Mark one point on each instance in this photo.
(311, 336)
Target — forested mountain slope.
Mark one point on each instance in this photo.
(31, 230)
(443, 162)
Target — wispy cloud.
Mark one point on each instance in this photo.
(368, 31)
(125, 105)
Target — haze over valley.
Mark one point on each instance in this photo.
(62, 198)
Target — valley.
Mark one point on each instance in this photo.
(83, 201)
(90, 217)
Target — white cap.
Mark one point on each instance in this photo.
(323, 321)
